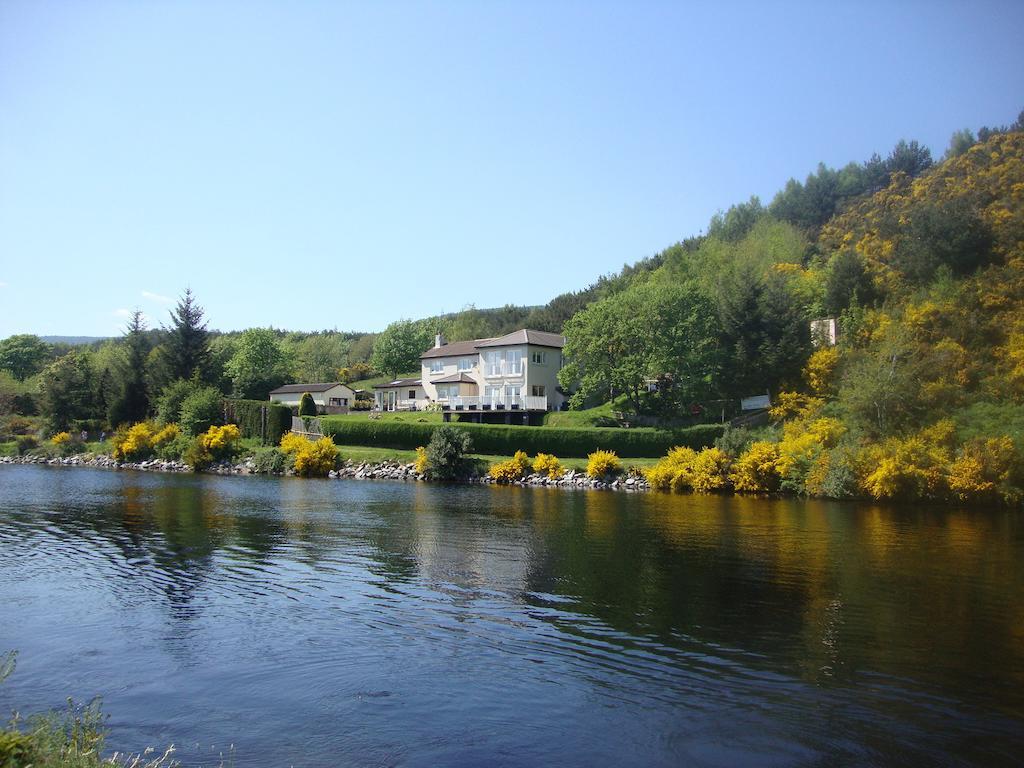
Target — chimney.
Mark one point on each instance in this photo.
(439, 340)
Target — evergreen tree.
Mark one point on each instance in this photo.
(132, 403)
(187, 348)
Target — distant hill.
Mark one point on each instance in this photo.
(75, 341)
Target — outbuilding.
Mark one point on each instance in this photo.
(330, 397)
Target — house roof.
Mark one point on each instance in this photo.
(291, 389)
(454, 349)
(399, 383)
(454, 378)
(526, 336)
(522, 336)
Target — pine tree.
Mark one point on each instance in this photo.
(187, 349)
(132, 403)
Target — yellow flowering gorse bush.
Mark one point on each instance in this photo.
(510, 470)
(547, 464)
(603, 463)
(316, 459)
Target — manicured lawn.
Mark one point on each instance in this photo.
(590, 417)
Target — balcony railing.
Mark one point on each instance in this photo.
(496, 403)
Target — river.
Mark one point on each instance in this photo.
(279, 621)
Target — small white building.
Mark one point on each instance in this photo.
(330, 397)
(400, 395)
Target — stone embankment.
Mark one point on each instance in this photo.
(385, 470)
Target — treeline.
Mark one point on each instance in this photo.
(921, 265)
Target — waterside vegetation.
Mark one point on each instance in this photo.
(917, 265)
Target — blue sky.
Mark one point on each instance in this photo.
(329, 165)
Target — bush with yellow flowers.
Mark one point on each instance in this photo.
(134, 442)
(292, 443)
(987, 470)
(757, 469)
(316, 459)
(684, 469)
(167, 434)
(60, 438)
(677, 463)
(215, 444)
(603, 463)
(420, 465)
(913, 467)
(547, 464)
(510, 470)
(710, 471)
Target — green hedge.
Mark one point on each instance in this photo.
(248, 415)
(505, 440)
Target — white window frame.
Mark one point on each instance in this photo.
(465, 363)
(538, 390)
(494, 362)
(541, 358)
(436, 365)
(514, 362)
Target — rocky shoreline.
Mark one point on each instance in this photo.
(385, 470)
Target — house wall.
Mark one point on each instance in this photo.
(320, 398)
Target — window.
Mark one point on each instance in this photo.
(465, 363)
(492, 392)
(334, 401)
(514, 366)
(493, 361)
(344, 401)
(511, 393)
(540, 357)
(442, 393)
(437, 365)
(537, 390)
(412, 394)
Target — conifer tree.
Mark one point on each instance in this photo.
(132, 403)
(187, 348)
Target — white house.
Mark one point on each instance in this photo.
(501, 379)
(330, 397)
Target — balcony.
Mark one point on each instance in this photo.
(495, 403)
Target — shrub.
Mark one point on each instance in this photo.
(548, 464)
(757, 469)
(200, 410)
(446, 451)
(316, 459)
(292, 443)
(168, 405)
(421, 460)
(913, 467)
(135, 442)
(60, 437)
(710, 471)
(269, 460)
(307, 407)
(734, 440)
(259, 418)
(175, 448)
(678, 462)
(510, 470)
(166, 435)
(505, 440)
(986, 470)
(26, 443)
(215, 444)
(603, 463)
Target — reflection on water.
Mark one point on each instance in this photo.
(332, 623)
